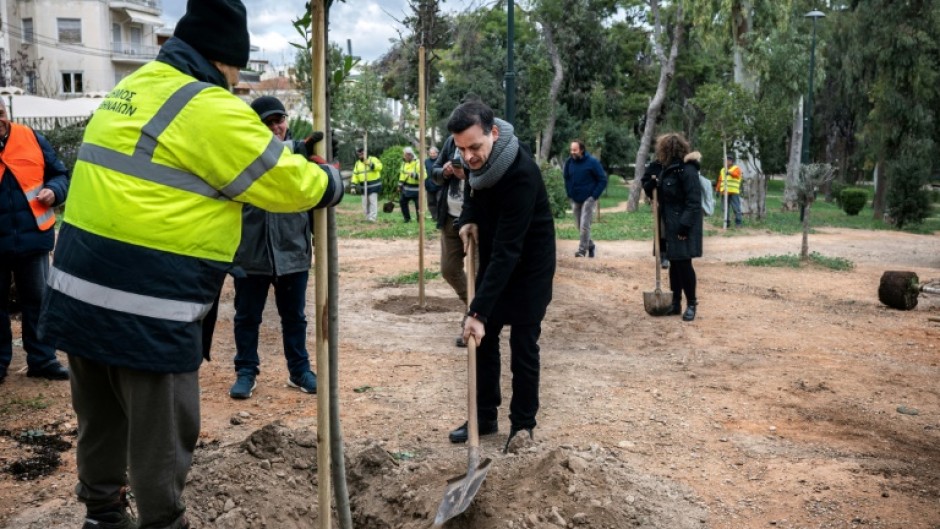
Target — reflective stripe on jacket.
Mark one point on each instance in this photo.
(23, 157)
(155, 214)
(734, 183)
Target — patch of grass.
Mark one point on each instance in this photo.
(620, 225)
(793, 261)
(37, 402)
(410, 278)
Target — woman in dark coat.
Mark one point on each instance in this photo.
(680, 199)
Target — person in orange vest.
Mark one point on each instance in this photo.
(32, 182)
(734, 190)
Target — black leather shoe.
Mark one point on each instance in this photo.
(51, 372)
(512, 433)
(689, 313)
(591, 250)
(461, 434)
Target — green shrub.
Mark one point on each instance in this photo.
(392, 159)
(835, 191)
(853, 200)
(66, 140)
(555, 184)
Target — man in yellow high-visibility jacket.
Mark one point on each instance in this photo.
(409, 178)
(367, 179)
(153, 223)
(731, 183)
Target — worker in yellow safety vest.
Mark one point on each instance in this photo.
(409, 178)
(730, 183)
(367, 179)
(153, 223)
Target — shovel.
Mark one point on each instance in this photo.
(459, 492)
(659, 301)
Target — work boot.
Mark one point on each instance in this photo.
(689, 313)
(111, 517)
(579, 253)
(462, 433)
(306, 382)
(591, 250)
(243, 387)
(53, 371)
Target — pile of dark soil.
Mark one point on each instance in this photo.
(41, 451)
(269, 480)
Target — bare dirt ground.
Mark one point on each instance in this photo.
(794, 400)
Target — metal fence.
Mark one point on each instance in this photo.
(49, 123)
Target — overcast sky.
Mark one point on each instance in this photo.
(371, 24)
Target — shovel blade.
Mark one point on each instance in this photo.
(657, 302)
(459, 493)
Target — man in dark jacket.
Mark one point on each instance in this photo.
(585, 180)
(275, 250)
(507, 214)
(32, 183)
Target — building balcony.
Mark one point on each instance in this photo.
(154, 7)
(129, 52)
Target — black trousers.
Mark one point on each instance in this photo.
(525, 367)
(682, 279)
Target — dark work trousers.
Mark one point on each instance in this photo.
(682, 279)
(432, 198)
(135, 424)
(403, 202)
(452, 258)
(290, 295)
(524, 364)
(29, 273)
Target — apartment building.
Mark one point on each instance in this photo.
(72, 48)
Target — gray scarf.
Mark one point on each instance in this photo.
(503, 154)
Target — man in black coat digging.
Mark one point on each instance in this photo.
(507, 214)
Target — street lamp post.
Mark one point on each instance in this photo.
(510, 71)
(808, 105)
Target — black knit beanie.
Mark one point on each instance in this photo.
(217, 29)
(268, 106)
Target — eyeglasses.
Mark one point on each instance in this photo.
(275, 120)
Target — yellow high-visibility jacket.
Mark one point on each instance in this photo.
(733, 182)
(155, 212)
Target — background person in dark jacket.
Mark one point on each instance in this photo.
(680, 199)
(585, 180)
(507, 213)
(32, 183)
(448, 172)
(432, 189)
(275, 250)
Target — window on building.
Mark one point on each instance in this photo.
(70, 30)
(137, 36)
(116, 44)
(72, 83)
(28, 30)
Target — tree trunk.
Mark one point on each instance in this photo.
(792, 184)
(553, 91)
(881, 190)
(667, 70)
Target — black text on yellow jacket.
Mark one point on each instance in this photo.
(154, 218)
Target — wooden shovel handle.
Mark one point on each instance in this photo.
(473, 428)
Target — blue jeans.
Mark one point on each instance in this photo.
(29, 273)
(290, 293)
(734, 202)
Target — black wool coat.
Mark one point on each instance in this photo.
(680, 204)
(517, 245)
